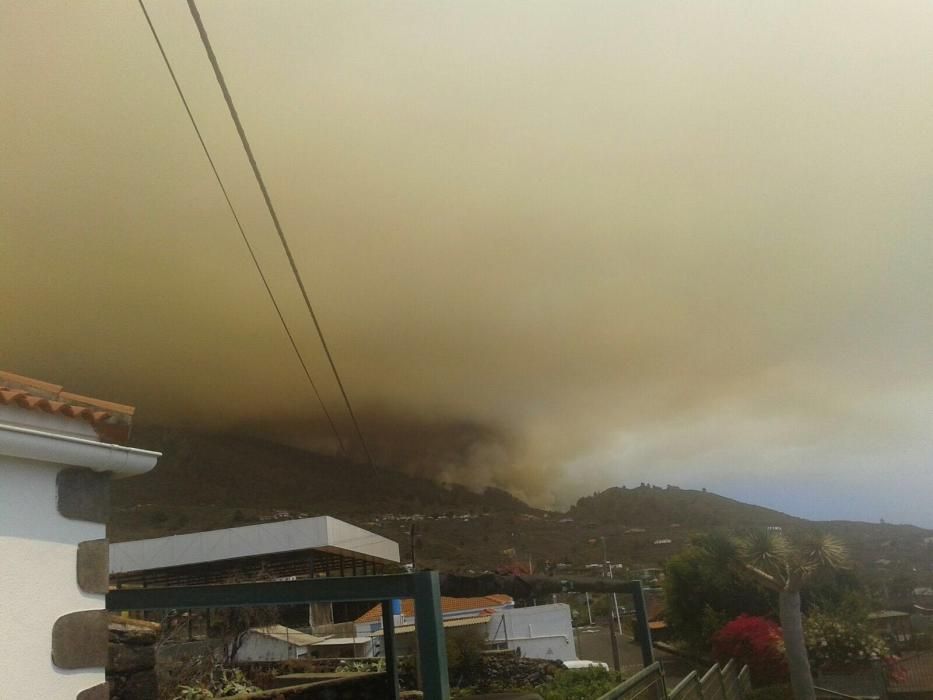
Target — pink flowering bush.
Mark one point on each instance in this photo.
(756, 642)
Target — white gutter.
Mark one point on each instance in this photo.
(43, 446)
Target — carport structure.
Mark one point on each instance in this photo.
(422, 587)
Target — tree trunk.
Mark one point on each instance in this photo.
(795, 649)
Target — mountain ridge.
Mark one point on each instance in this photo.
(207, 481)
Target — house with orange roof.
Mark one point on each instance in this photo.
(58, 452)
(451, 609)
(541, 631)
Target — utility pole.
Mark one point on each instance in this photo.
(616, 661)
(414, 568)
(615, 597)
(589, 613)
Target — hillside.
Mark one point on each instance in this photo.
(650, 506)
(202, 481)
(209, 481)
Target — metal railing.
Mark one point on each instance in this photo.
(647, 684)
(718, 683)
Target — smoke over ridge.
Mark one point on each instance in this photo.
(554, 246)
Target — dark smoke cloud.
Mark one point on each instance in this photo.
(554, 246)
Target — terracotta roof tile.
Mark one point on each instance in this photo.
(448, 605)
(111, 421)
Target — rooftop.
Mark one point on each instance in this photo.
(885, 614)
(458, 622)
(110, 421)
(320, 533)
(448, 606)
(287, 634)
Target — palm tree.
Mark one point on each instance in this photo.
(785, 566)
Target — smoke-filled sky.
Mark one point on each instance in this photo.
(554, 246)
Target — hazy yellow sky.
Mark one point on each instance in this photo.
(554, 245)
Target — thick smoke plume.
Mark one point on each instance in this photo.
(554, 246)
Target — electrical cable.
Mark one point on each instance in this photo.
(205, 40)
(236, 218)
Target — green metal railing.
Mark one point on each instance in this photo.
(422, 586)
(647, 684)
(725, 683)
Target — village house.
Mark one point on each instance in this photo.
(541, 632)
(893, 625)
(273, 643)
(58, 453)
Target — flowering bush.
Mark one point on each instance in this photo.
(835, 643)
(894, 670)
(755, 641)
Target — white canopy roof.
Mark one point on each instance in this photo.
(324, 533)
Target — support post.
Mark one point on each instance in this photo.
(614, 643)
(429, 625)
(641, 622)
(388, 647)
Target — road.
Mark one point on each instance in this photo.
(593, 643)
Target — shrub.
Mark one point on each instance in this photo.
(837, 643)
(579, 684)
(465, 648)
(371, 665)
(703, 591)
(222, 683)
(756, 642)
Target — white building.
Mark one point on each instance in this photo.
(274, 643)
(539, 632)
(284, 550)
(57, 456)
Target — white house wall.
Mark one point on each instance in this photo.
(259, 647)
(38, 549)
(540, 632)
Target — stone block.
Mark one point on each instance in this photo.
(84, 494)
(142, 686)
(98, 692)
(94, 566)
(127, 630)
(79, 639)
(124, 658)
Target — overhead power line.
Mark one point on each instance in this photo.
(236, 218)
(192, 6)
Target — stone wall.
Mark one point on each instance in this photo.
(131, 660)
(363, 686)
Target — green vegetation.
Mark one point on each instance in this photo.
(837, 643)
(704, 590)
(717, 579)
(577, 684)
(785, 566)
(222, 683)
(464, 653)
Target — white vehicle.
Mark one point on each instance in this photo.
(583, 663)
